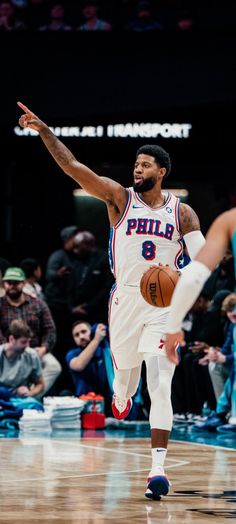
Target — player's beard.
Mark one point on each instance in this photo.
(146, 185)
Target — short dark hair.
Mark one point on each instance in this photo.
(161, 156)
(29, 266)
(77, 322)
(18, 328)
(68, 232)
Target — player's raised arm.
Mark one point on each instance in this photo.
(103, 188)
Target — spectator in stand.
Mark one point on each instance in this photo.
(143, 20)
(33, 273)
(92, 280)
(21, 4)
(199, 385)
(185, 21)
(90, 365)
(220, 359)
(20, 365)
(57, 292)
(8, 18)
(57, 20)
(18, 305)
(58, 276)
(196, 379)
(223, 276)
(93, 22)
(183, 402)
(224, 418)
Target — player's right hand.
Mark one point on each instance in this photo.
(29, 119)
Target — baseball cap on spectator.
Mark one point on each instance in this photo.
(14, 273)
(68, 232)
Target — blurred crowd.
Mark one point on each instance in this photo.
(204, 381)
(103, 15)
(54, 335)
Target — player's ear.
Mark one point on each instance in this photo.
(162, 171)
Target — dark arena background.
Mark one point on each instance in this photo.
(84, 80)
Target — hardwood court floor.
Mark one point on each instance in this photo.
(102, 480)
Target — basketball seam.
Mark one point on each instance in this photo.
(159, 284)
(154, 269)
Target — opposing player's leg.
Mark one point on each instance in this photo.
(159, 376)
(125, 385)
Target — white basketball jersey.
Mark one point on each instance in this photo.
(144, 237)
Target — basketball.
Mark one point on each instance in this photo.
(157, 285)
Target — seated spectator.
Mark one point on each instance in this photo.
(183, 400)
(18, 305)
(8, 19)
(192, 386)
(143, 20)
(223, 419)
(185, 21)
(33, 273)
(20, 365)
(93, 22)
(220, 359)
(90, 364)
(223, 276)
(57, 20)
(21, 4)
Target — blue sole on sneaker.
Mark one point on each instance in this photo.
(157, 486)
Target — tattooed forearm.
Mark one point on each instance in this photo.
(189, 220)
(58, 150)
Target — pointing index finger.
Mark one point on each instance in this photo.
(25, 108)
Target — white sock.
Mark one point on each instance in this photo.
(158, 459)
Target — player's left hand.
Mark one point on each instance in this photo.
(171, 343)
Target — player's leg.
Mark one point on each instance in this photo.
(125, 328)
(125, 385)
(159, 376)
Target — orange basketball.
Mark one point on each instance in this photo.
(157, 285)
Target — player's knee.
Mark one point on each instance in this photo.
(162, 390)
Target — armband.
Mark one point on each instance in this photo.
(194, 242)
(185, 294)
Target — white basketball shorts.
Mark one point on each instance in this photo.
(135, 327)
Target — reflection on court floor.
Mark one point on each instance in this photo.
(100, 477)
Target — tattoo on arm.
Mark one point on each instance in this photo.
(58, 150)
(189, 220)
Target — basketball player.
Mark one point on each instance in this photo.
(148, 225)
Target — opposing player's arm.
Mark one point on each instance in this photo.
(190, 229)
(217, 241)
(103, 188)
(195, 276)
